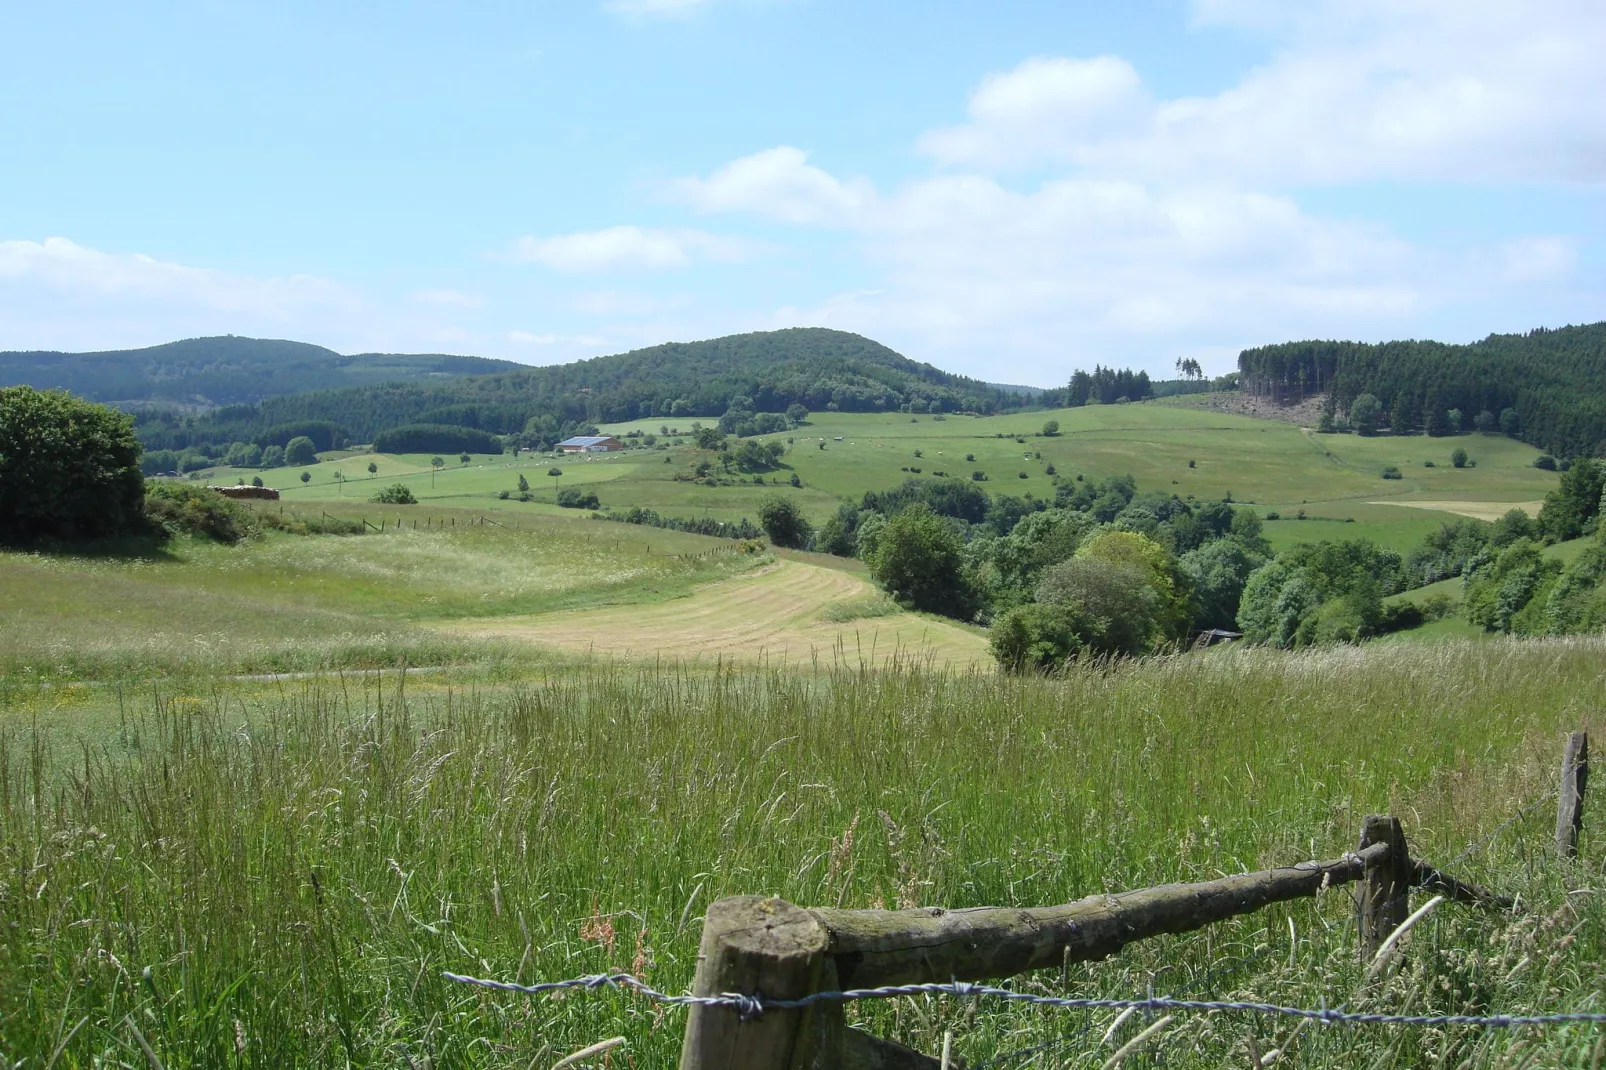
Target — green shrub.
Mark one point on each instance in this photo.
(918, 558)
(69, 469)
(575, 498)
(1392, 472)
(395, 494)
(784, 522)
(300, 450)
(300, 525)
(184, 509)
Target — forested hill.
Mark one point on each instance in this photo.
(818, 368)
(226, 370)
(1553, 380)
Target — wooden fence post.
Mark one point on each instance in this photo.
(1570, 804)
(756, 946)
(1385, 892)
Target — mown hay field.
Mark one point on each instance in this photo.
(789, 612)
(275, 873)
(295, 603)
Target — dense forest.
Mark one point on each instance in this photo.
(1553, 381)
(817, 368)
(204, 372)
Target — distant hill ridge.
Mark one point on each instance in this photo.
(816, 367)
(226, 370)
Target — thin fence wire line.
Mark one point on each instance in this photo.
(1484, 841)
(749, 1007)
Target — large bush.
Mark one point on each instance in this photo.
(69, 469)
(436, 438)
(917, 558)
(575, 498)
(186, 509)
(395, 494)
(1569, 508)
(784, 523)
(300, 450)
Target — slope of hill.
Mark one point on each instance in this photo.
(1553, 381)
(226, 370)
(818, 368)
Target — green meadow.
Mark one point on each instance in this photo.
(1336, 480)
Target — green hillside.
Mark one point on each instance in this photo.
(1335, 480)
(226, 370)
(818, 368)
(1547, 387)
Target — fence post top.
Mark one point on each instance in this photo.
(767, 927)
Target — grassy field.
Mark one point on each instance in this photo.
(791, 612)
(252, 873)
(289, 602)
(1335, 479)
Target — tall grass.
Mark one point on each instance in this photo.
(275, 875)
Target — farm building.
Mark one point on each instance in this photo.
(590, 444)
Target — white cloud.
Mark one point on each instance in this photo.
(65, 267)
(1081, 269)
(630, 248)
(1357, 90)
(449, 298)
(777, 183)
(1168, 227)
(647, 10)
(1045, 107)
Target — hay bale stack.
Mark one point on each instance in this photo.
(245, 491)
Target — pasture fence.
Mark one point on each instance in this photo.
(772, 978)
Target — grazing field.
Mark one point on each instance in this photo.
(790, 612)
(274, 873)
(1280, 467)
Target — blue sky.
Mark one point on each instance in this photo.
(1010, 190)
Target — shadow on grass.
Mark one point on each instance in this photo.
(122, 548)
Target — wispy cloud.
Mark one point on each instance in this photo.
(630, 248)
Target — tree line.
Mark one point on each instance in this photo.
(1551, 382)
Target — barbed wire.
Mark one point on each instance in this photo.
(751, 1006)
(1483, 841)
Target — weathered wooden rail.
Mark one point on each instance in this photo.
(771, 949)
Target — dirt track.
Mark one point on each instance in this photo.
(1476, 510)
(774, 613)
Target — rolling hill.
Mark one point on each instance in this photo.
(821, 369)
(207, 372)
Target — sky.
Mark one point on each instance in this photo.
(1011, 190)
